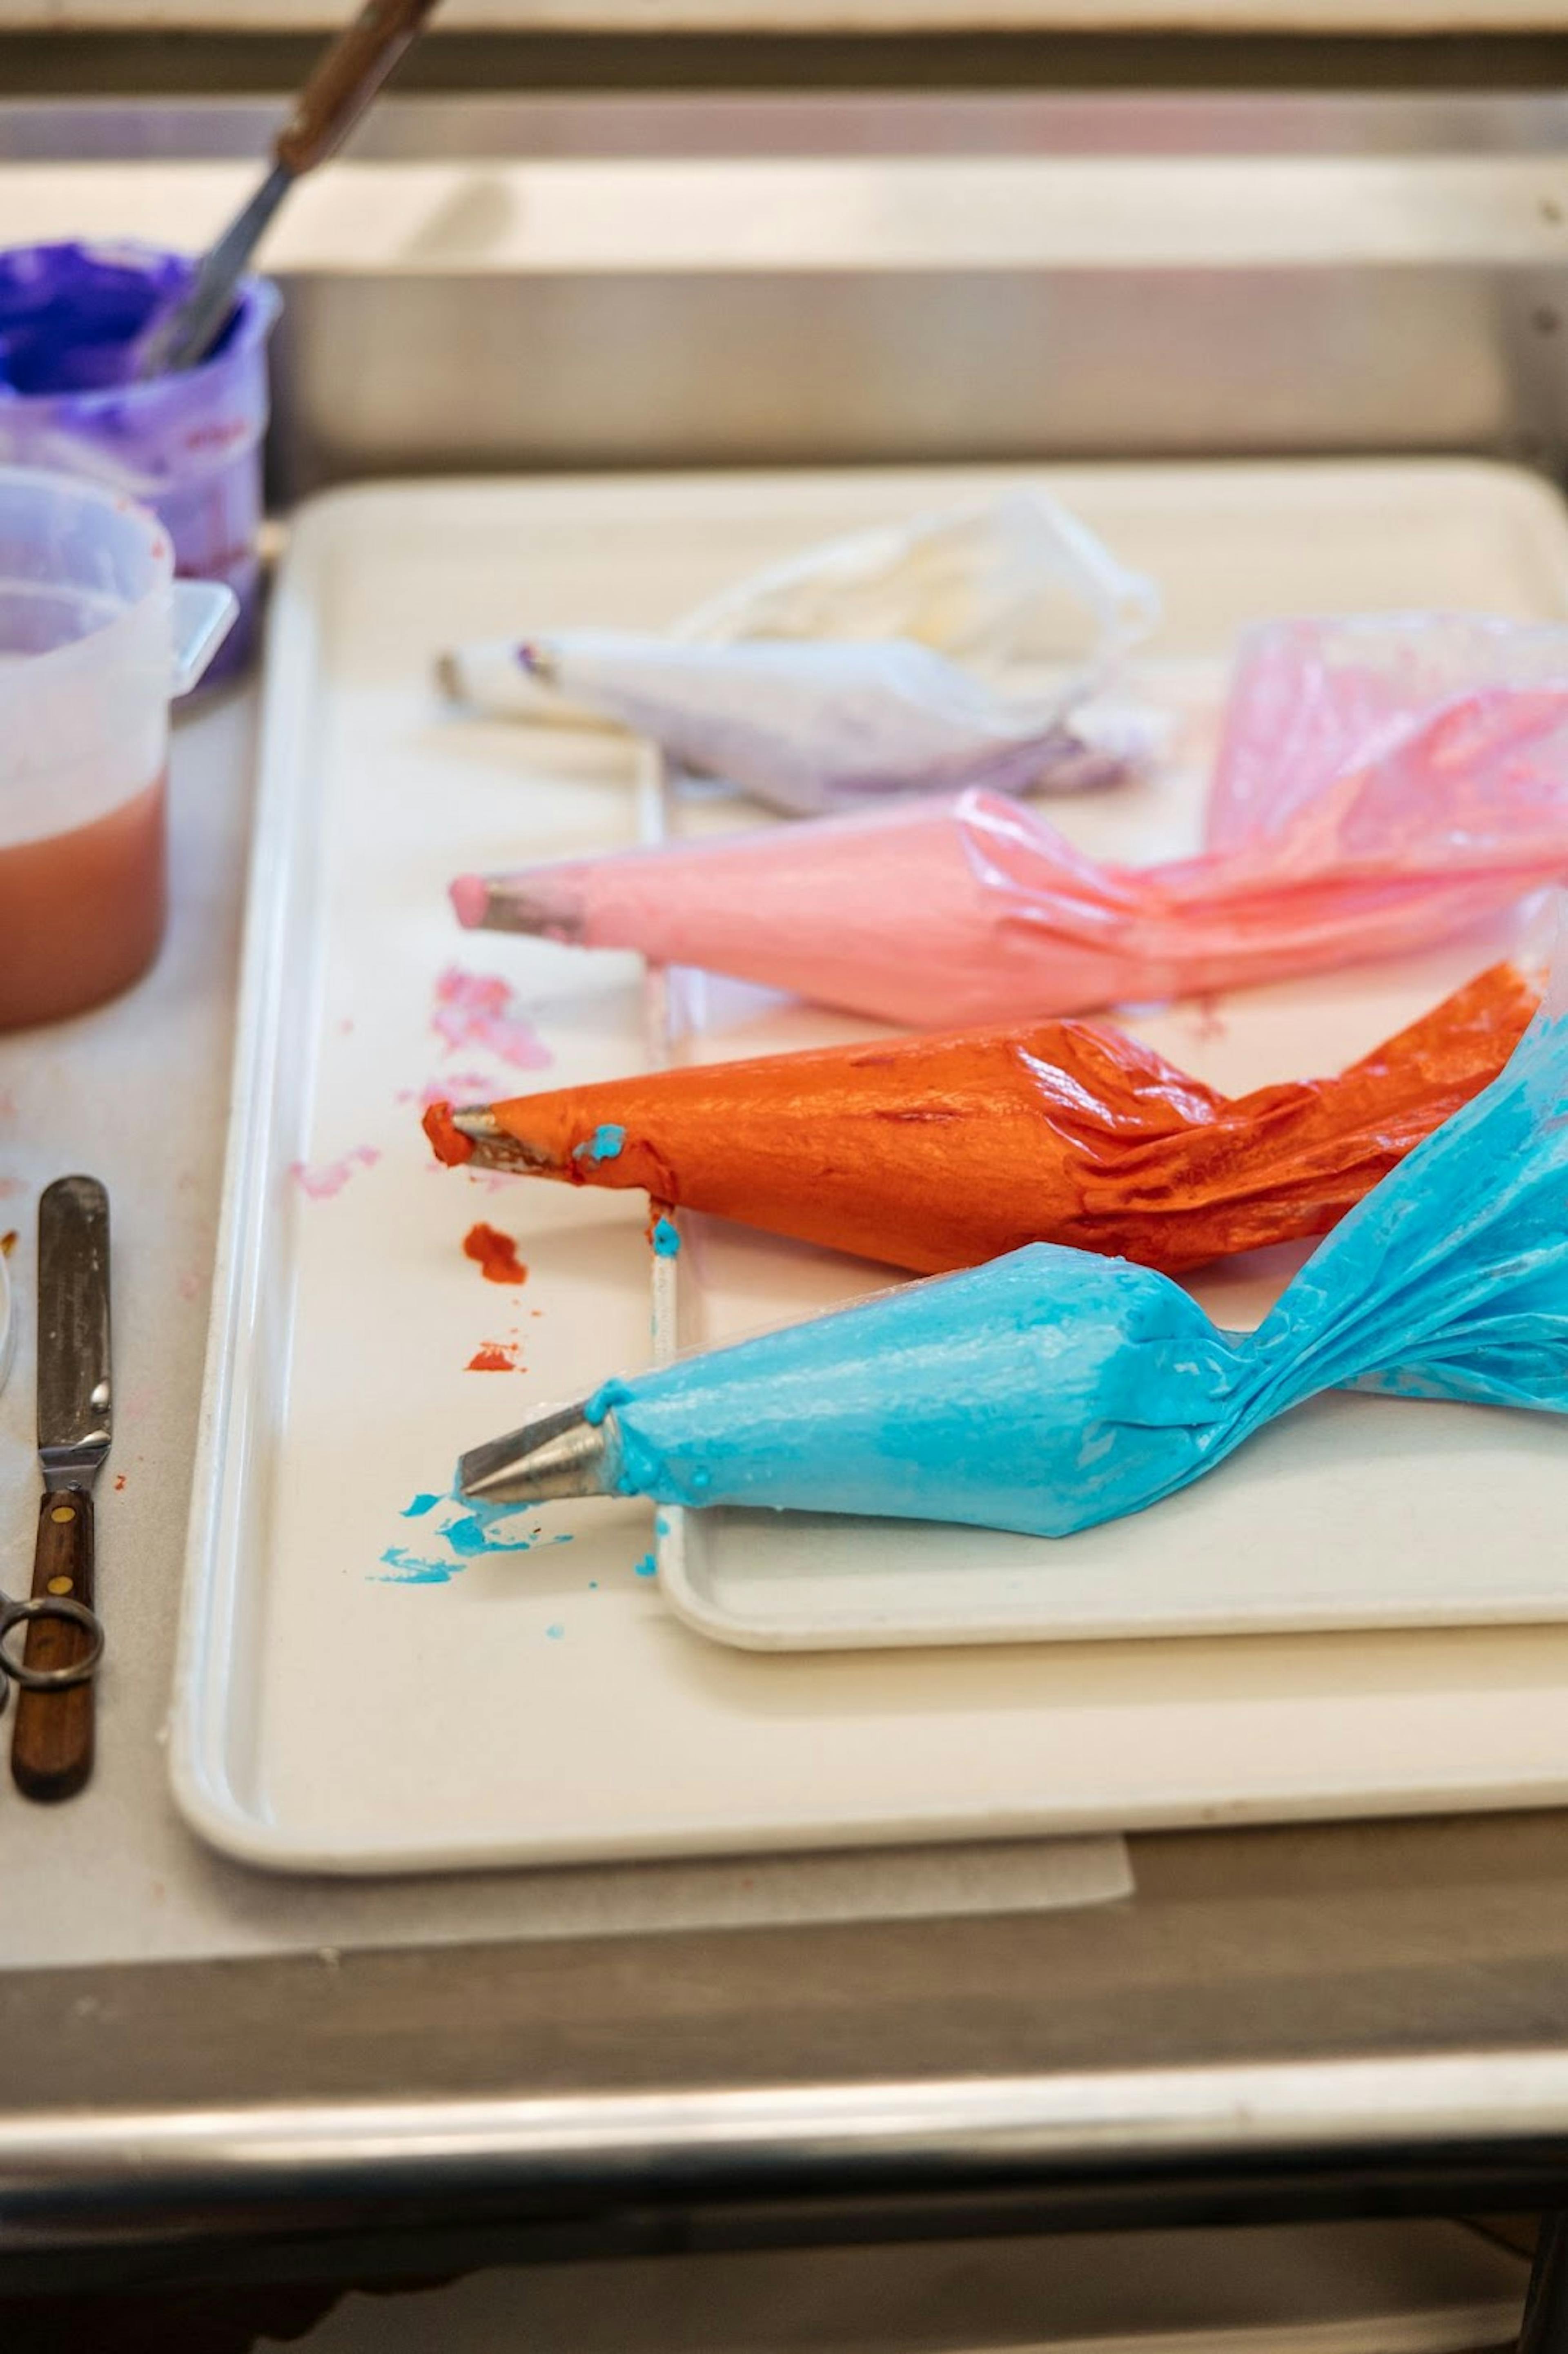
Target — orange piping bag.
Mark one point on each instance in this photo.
(933, 1153)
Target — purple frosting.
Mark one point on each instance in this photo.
(70, 314)
(188, 446)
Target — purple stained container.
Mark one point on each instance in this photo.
(188, 446)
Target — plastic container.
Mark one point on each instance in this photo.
(95, 636)
(188, 446)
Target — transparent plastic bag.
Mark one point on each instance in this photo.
(1052, 1390)
(870, 665)
(1410, 792)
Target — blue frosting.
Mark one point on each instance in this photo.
(604, 1144)
(666, 1238)
(1052, 1390)
(465, 1531)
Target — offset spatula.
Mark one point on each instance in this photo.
(329, 106)
(51, 1749)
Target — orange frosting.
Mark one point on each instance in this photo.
(937, 1152)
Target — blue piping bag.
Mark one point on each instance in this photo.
(1052, 1390)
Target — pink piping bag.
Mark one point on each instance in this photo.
(1383, 783)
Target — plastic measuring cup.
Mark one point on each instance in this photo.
(96, 634)
(188, 446)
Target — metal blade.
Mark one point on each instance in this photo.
(73, 1327)
(184, 337)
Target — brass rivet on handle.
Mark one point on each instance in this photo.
(61, 1584)
(63, 1512)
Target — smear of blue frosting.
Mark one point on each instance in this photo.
(467, 1532)
(409, 1568)
(666, 1237)
(646, 1567)
(604, 1144)
(1052, 1390)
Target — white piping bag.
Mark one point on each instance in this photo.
(877, 625)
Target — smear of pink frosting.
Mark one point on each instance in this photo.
(454, 1086)
(477, 1009)
(321, 1179)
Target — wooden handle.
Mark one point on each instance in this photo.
(347, 79)
(51, 1749)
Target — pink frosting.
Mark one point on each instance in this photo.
(1370, 798)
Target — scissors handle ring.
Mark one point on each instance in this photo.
(48, 1606)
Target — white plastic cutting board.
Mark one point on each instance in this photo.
(548, 1703)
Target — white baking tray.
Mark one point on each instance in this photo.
(1350, 1513)
(548, 1703)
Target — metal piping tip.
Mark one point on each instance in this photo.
(484, 905)
(559, 1453)
(539, 661)
(495, 1147)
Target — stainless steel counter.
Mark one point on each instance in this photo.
(1283, 2022)
(1290, 2020)
(828, 17)
(734, 279)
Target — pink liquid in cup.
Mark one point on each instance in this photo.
(95, 637)
(81, 914)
